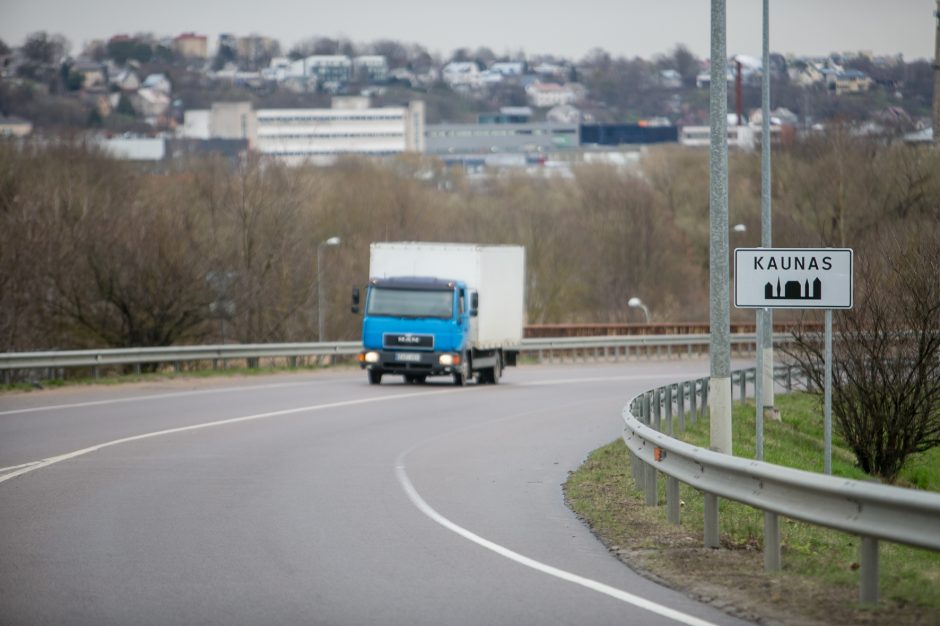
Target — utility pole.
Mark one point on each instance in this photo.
(719, 384)
(766, 329)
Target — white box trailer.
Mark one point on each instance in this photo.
(492, 275)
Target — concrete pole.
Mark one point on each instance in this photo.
(719, 384)
(767, 326)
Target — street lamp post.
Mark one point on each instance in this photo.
(636, 303)
(321, 325)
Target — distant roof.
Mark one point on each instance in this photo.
(921, 136)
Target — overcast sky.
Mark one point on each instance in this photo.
(623, 27)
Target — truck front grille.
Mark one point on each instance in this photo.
(408, 340)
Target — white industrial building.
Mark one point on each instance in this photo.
(351, 127)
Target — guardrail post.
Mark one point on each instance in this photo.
(650, 484)
(657, 410)
(704, 402)
(668, 403)
(680, 404)
(693, 398)
(672, 499)
(789, 378)
(743, 382)
(636, 468)
(771, 542)
(711, 521)
(868, 583)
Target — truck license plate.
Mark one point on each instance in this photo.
(412, 357)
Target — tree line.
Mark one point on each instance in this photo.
(99, 252)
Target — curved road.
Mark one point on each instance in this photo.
(318, 499)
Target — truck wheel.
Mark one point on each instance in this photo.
(460, 378)
(375, 377)
(496, 373)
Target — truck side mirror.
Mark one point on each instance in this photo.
(355, 300)
(474, 304)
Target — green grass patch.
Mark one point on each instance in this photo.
(910, 577)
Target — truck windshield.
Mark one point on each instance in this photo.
(411, 303)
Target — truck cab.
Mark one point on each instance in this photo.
(417, 327)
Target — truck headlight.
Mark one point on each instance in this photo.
(369, 357)
(449, 359)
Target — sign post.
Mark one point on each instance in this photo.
(796, 278)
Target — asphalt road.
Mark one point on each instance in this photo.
(318, 499)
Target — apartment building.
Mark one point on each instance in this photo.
(350, 127)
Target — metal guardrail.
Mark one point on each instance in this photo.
(872, 511)
(542, 348)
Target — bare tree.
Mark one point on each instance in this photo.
(886, 370)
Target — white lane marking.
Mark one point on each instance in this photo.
(15, 467)
(172, 394)
(588, 583)
(19, 470)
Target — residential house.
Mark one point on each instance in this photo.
(326, 68)
(371, 68)
(545, 95)
(255, 48)
(805, 73)
(158, 82)
(551, 70)
(849, 81)
(151, 104)
(461, 74)
(670, 79)
(704, 79)
(12, 126)
(508, 68)
(191, 46)
(564, 114)
(125, 80)
(94, 75)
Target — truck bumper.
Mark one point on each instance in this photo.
(416, 363)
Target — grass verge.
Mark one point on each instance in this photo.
(819, 581)
(188, 371)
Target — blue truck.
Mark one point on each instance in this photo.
(442, 309)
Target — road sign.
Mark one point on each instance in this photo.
(793, 278)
